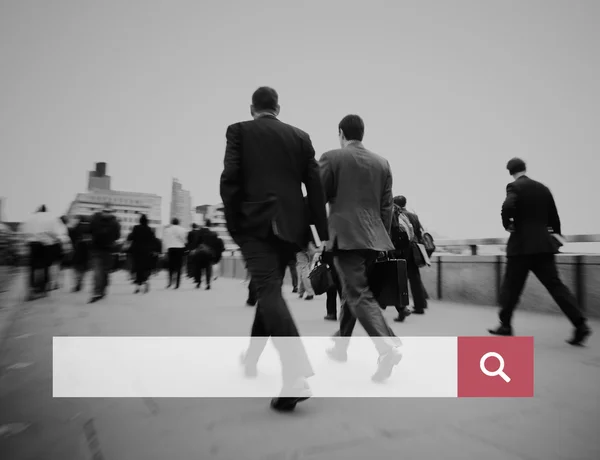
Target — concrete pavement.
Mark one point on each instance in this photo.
(559, 423)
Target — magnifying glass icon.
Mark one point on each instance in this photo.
(499, 371)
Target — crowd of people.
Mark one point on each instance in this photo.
(92, 243)
(350, 205)
(348, 217)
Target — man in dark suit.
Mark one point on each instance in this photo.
(266, 163)
(414, 274)
(529, 213)
(358, 188)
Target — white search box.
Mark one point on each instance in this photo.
(209, 367)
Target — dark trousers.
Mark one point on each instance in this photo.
(359, 303)
(204, 268)
(39, 264)
(336, 289)
(102, 263)
(292, 265)
(543, 267)
(252, 294)
(175, 264)
(267, 261)
(415, 282)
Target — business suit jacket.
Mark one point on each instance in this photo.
(528, 212)
(266, 161)
(358, 188)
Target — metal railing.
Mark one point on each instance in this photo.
(474, 243)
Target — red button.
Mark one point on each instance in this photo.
(495, 367)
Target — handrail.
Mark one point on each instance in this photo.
(590, 238)
(473, 243)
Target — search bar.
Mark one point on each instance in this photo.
(209, 367)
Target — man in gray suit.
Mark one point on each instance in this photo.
(358, 188)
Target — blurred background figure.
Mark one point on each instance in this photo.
(174, 241)
(106, 231)
(81, 239)
(42, 232)
(207, 249)
(189, 260)
(143, 247)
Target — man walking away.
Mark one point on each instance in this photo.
(208, 249)
(266, 162)
(529, 213)
(82, 238)
(42, 231)
(143, 247)
(174, 241)
(414, 273)
(105, 230)
(189, 260)
(358, 188)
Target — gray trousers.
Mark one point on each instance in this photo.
(354, 268)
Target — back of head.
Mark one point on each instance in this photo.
(400, 200)
(175, 221)
(208, 223)
(42, 208)
(265, 99)
(144, 220)
(194, 226)
(352, 128)
(516, 166)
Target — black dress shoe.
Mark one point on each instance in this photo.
(580, 335)
(285, 404)
(95, 299)
(505, 331)
(250, 303)
(295, 291)
(309, 297)
(330, 318)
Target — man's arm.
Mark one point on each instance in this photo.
(231, 178)
(509, 207)
(553, 218)
(387, 201)
(314, 191)
(327, 177)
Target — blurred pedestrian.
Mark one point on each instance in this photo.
(174, 241)
(105, 231)
(142, 249)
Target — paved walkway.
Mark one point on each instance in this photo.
(561, 422)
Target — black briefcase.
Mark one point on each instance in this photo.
(320, 277)
(389, 282)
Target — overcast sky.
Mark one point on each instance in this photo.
(449, 91)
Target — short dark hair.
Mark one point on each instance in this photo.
(265, 98)
(400, 200)
(353, 127)
(194, 226)
(208, 223)
(175, 221)
(516, 165)
(143, 219)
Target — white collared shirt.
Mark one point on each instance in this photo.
(174, 236)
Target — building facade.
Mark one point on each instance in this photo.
(127, 206)
(181, 205)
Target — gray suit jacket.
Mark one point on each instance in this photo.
(358, 188)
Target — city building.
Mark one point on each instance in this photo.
(181, 205)
(127, 206)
